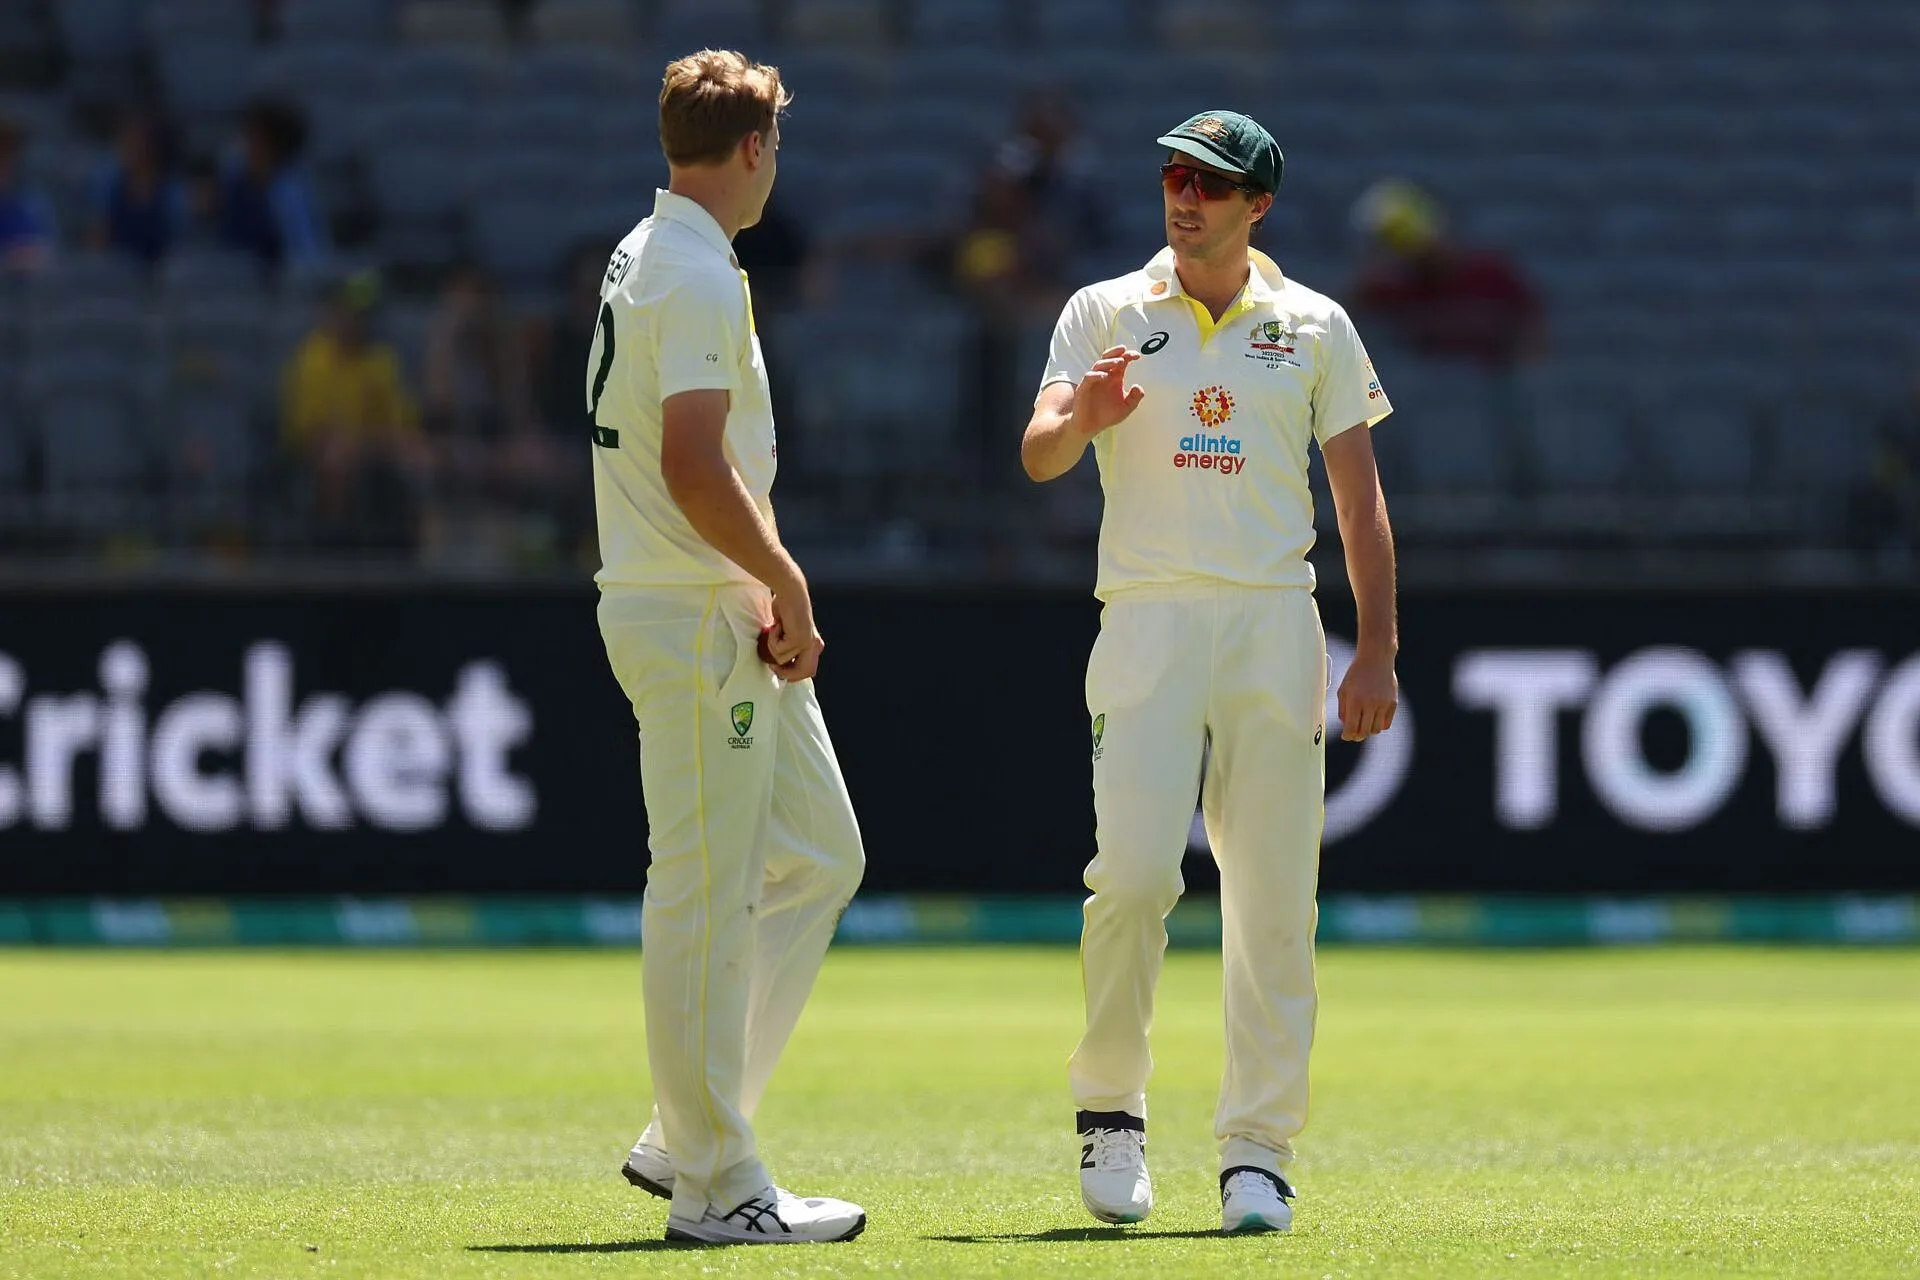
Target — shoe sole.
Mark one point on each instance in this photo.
(645, 1183)
(1115, 1219)
(679, 1235)
(1254, 1225)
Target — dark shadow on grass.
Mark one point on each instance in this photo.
(610, 1246)
(1063, 1234)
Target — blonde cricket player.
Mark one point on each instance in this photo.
(754, 848)
(1200, 381)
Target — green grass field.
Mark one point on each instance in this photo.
(1647, 1113)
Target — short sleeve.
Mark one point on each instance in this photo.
(1348, 392)
(1078, 339)
(698, 346)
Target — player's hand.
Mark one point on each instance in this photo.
(804, 666)
(1103, 398)
(1369, 695)
(793, 636)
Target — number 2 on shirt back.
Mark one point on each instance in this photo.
(605, 437)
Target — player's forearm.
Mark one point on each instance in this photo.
(718, 506)
(1051, 446)
(1368, 539)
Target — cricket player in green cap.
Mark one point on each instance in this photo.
(1201, 380)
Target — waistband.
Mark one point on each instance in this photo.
(654, 604)
(1146, 592)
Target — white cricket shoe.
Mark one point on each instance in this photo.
(650, 1168)
(1254, 1200)
(773, 1217)
(1113, 1166)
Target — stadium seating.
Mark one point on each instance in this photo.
(1719, 206)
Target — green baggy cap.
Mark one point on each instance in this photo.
(1231, 142)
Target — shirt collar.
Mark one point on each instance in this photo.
(688, 213)
(1264, 282)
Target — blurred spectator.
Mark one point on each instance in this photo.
(348, 417)
(473, 370)
(26, 219)
(475, 399)
(140, 203)
(550, 452)
(1448, 302)
(266, 203)
(1433, 295)
(1047, 160)
(559, 346)
(1005, 263)
(1886, 509)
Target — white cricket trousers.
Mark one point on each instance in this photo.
(1237, 675)
(755, 853)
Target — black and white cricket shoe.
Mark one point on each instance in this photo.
(649, 1168)
(1113, 1166)
(773, 1217)
(1254, 1200)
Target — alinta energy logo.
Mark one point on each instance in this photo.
(1213, 406)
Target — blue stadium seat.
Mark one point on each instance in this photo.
(1068, 24)
(453, 24)
(563, 128)
(867, 365)
(16, 448)
(1454, 442)
(1700, 444)
(205, 77)
(1577, 430)
(959, 24)
(362, 22)
(526, 172)
(682, 26)
(194, 274)
(837, 23)
(197, 22)
(87, 278)
(311, 71)
(87, 440)
(455, 74)
(217, 346)
(823, 77)
(1822, 442)
(521, 240)
(99, 33)
(419, 190)
(583, 24)
(103, 332)
(210, 450)
(593, 76)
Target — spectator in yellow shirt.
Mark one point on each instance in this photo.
(348, 418)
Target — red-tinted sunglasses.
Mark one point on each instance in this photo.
(1210, 185)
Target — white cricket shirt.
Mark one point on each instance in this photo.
(1207, 480)
(675, 315)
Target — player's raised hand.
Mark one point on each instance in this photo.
(1369, 695)
(1103, 398)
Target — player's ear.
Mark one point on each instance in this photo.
(1262, 205)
